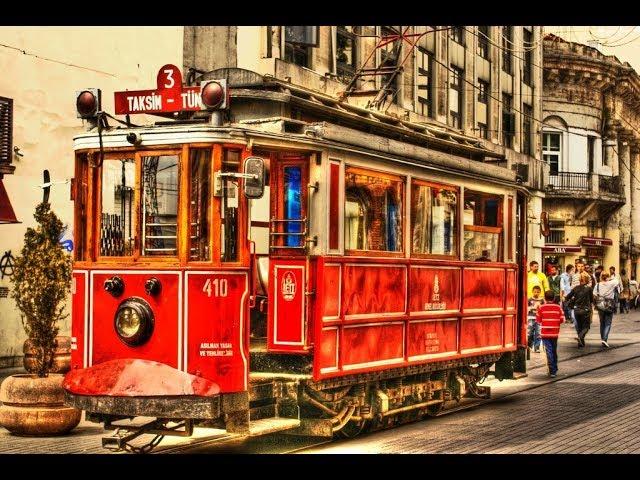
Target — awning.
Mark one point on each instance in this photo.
(561, 249)
(596, 241)
(6, 210)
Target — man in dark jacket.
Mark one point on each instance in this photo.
(581, 297)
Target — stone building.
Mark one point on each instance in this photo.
(42, 68)
(483, 82)
(592, 144)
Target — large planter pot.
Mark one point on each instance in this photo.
(35, 406)
(61, 356)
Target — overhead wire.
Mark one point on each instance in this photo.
(46, 59)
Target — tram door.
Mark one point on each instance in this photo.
(288, 265)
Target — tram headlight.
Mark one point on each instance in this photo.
(134, 321)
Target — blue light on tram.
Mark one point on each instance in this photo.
(293, 204)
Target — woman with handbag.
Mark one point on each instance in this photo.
(581, 299)
(625, 292)
(604, 294)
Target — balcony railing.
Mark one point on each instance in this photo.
(610, 184)
(571, 181)
(590, 184)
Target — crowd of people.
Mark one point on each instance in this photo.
(571, 297)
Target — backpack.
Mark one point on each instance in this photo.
(604, 305)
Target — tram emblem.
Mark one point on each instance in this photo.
(435, 303)
(288, 288)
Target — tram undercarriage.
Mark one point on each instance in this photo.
(295, 404)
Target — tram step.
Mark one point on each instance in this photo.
(271, 425)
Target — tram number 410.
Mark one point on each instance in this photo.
(219, 287)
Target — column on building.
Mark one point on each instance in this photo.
(611, 227)
(624, 222)
(635, 205)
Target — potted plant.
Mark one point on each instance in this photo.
(33, 403)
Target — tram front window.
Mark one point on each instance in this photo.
(199, 201)
(118, 220)
(160, 205)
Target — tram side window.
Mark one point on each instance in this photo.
(373, 211)
(160, 205)
(433, 220)
(482, 227)
(117, 219)
(229, 208)
(199, 204)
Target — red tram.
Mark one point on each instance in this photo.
(260, 272)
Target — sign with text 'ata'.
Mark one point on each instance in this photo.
(169, 96)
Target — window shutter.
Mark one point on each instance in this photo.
(6, 129)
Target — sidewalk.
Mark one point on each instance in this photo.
(624, 340)
(625, 329)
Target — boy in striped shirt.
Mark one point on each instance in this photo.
(550, 317)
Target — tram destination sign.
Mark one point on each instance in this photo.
(169, 96)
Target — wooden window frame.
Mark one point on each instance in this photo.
(403, 202)
(442, 186)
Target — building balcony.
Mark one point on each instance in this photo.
(588, 186)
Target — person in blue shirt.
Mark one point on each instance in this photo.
(565, 289)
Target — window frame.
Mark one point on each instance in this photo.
(483, 91)
(547, 152)
(507, 55)
(291, 48)
(442, 186)
(527, 67)
(210, 216)
(346, 70)
(507, 135)
(456, 73)
(527, 115)
(483, 43)
(501, 229)
(424, 102)
(349, 168)
(456, 34)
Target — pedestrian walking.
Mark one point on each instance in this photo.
(605, 304)
(625, 291)
(565, 288)
(616, 293)
(633, 294)
(580, 300)
(536, 279)
(598, 272)
(575, 279)
(549, 317)
(554, 283)
(533, 336)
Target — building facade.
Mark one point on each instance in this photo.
(483, 82)
(43, 68)
(591, 142)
